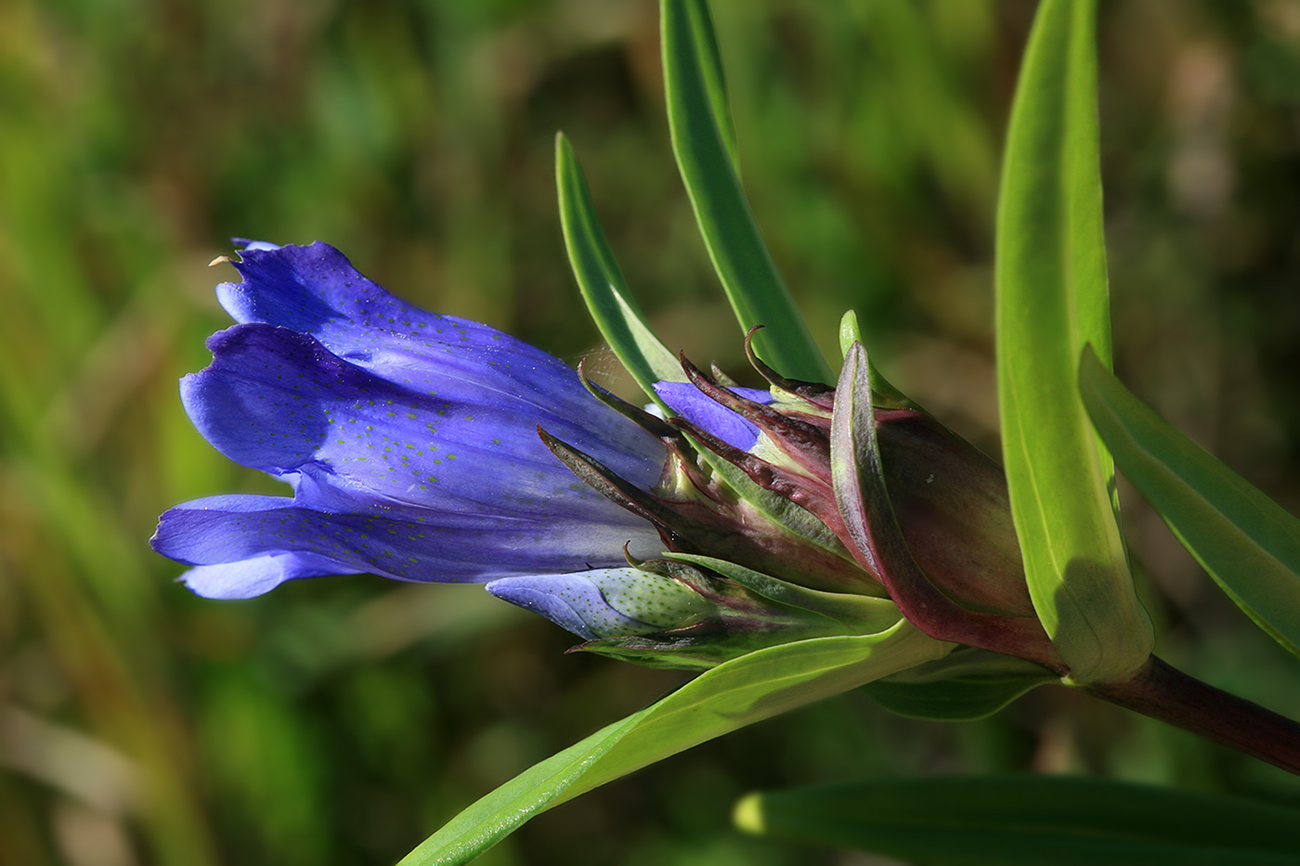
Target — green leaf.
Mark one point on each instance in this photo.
(1014, 820)
(1243, 539)
(751, 688)
(964, 685)
(700, 123)
(601, 281)
(1052, 299)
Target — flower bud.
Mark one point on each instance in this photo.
(921, 510)
(685, 614)
(950, 499)
(605, 602)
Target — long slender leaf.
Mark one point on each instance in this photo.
(1051, 300)
(631, 339)
(601, 281)
(1243, 539)
(700, 122)
(738, 693)
(1021, 820)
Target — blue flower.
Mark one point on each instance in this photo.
(409, 440)
(606, 602)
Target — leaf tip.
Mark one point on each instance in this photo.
(850, 333)
(748, 814)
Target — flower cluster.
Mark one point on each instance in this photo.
(428, 448)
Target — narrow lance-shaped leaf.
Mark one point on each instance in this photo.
(699, 119)
(1051, 300)
(1007, 820)
(1243, 539)
(753, 687)
(601, 281)
(714, 78)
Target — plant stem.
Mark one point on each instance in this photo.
(1163, 692)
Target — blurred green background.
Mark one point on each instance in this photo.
(338, 721)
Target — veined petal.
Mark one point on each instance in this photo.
(687, 400)
(277, 400)
(409, 438)
(249, 544)
(253, 577)
(315, 290)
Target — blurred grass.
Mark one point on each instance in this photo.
(338, 721)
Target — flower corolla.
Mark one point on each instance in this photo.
(409, 440)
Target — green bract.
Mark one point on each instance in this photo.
(1052, 301)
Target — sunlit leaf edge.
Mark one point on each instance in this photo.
(1051, 299)
(698, 120)
(601, 282)
(743, 691)
(1245, 541)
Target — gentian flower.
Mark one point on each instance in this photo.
(411, 443)
(409, 440)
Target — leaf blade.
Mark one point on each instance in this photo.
(1245, 541)
(601, 281)
(1052, 300)
(748, 689)
(964, 685)
(1064, 821)
(700, 124)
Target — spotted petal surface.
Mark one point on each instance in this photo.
(409, 440)
(605, 603)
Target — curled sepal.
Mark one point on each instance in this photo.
(652, 424)
(696, 509)
(788, 451)
(819, 395)
(950, 500)
(680, 613)
(874, 537)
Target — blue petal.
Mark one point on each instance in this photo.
(276, 400)
(315, 290)
(249, 544)
(409, 440)
(253, 577)
(246, 244)
(606, 602)
(693, 405)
